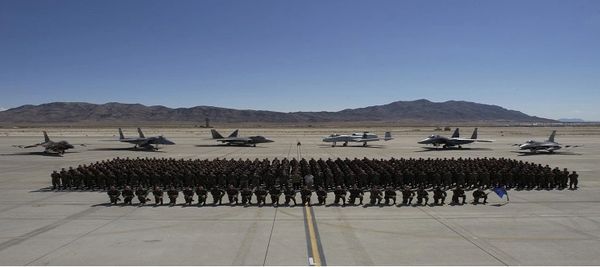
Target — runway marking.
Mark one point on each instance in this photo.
(41, 230)
(270, 236)
(497, 254)
(316, 256)
(79, 237)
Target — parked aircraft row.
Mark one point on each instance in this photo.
(153, 142)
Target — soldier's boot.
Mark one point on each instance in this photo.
(426, 201)
(464, 199)
(410, 200)
(485, 200)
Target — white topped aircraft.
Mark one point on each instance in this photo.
(363, 138)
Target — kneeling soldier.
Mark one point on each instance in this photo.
(173, 194)
(275, 193)
(158, 195)
(422, 195)
(217, 194)
(355, 193)
(439, 194)
(261, 196)
(113, 195)
(232, 195)
(407, 195)
(127, 195)
(340, 194)
(290, 194)
(202, 195)
(246, 196)
(188, 196)
(142, 195)
(457, 193)
(479, 194)
(390, 194)
(321, 195)
(305, 194)
(375, 196)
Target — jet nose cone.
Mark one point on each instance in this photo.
(424, 141)
(269, 140)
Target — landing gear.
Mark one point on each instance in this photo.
(345, 143)
(459, 147)
(364, 144)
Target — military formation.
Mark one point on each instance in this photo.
(245, 182)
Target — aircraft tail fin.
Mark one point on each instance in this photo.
(388, 136)
(46, 138)
(234, 134)
(474, 135)
(455, 134)
(121, 136)
(141, 133)
(551, 138)
(215, 134)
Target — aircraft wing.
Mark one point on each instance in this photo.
(473, 140)
(362, 140)
(236, 140)
(30, 146)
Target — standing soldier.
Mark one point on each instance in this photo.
(321, 195)
(158, 195)
(261, 196)
(290, 194)
(340, 194)
(217, 195)
(142, 195)
(422, 195)
(202, 195)
(232, 195)
(390, 193)
(113, 195)
(173, 194)
(275, 193)
(55, 180)
(478, 194)
(457, 193)
(355, 193)
(246, 196)
(573, 180)
(188, 195)
(407, 195)
(439, 194)
(375, 196)
(305, 194)
(127, 195)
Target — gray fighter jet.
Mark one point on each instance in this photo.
(52, 147)
(233, 139)
(549, 145)
(454, 140)
(150, 143)
(363, 138)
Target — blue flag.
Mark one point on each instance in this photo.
(500, 191)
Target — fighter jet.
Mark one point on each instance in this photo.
(143, 141)
(363, 137)
(549, 145)
(454, 140)
(233, 139)
(52, 147)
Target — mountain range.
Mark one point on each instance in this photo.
(417, 111)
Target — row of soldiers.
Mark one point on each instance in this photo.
(468, 173)
(377, 195)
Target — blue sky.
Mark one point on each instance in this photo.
(539, 57)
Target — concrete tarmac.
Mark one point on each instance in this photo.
(43, 227)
